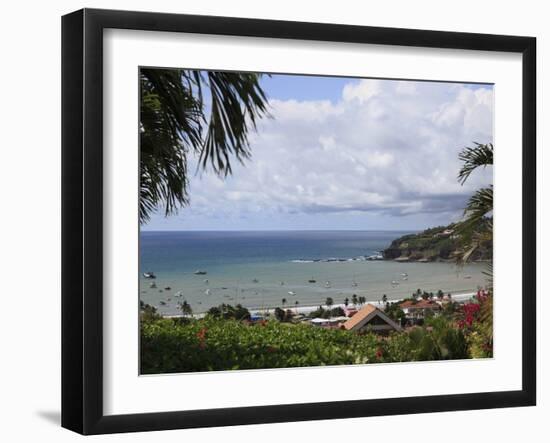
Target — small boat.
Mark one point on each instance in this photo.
(327, 284)
(178, 294)
(207, 292)
(167, 288)
(404, 274)
(149, 275)
(282, 283)
(153, 285)
(163, 303)
(198, 272)
(312, 280)
(206, 281)
(405, 278)
(394, 283)
(467, 276)
(291, 293)
(255, 280)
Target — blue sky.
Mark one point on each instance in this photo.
(349, 154)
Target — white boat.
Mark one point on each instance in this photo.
(404, 274)
(393, 282)
(198, 272)
(153, 285)
(149, 275)
(291, 293)
(207, 292)
(327, 284)
(178, 294)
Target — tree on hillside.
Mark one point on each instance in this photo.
(206, 113)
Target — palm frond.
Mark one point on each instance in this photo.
(481, 155)
(174, 121)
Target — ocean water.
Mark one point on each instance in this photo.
(259, 269)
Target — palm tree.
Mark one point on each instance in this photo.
(354, 299)
(346, 302)
(186, 308)
(207, 113)
(329, 302)
(477, 227)
(384, 299)
(362, 300)
(283, 301)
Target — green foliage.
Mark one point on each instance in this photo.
(186, 308)
(476, 230)
(214, 343)
(282, 315)
(429, 244)
(148, 312)
(206, 112)
(225, 311)
(211, 344)
(321, 312)
(394, 311)
(481, 155)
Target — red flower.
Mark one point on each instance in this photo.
(202, 334)
(379, 353)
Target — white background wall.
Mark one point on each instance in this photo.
(30, 217)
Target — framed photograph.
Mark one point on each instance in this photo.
(269, 221)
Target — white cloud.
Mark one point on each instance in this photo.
(386, 148)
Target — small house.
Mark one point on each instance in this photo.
(416, 310)
(370, 318)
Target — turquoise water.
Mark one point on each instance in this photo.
(259, 269)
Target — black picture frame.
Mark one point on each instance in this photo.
(82, 215)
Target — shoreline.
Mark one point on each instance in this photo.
(458, 297)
